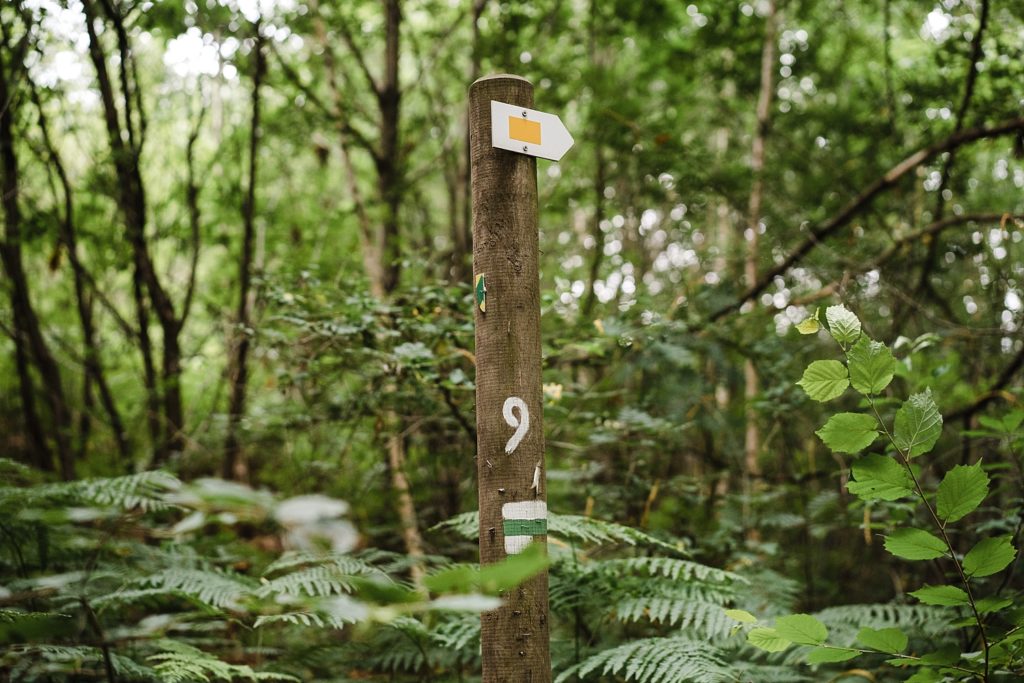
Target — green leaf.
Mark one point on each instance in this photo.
(824, 380)
(926, 676)
(918, 425)
(802, 629)
(842, 324)
(992, 604)
(890, 640)
(880, 478)
(915, 544)
(849, 432)
(961, 491)
(767, 639)
(872, 366)
(989, 556)
(947, 596)
(828, 655)
(741, 616)
(809, 326)
(493, 578)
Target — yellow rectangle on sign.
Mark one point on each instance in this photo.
(524, 130)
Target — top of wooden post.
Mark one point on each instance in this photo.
(494, 77)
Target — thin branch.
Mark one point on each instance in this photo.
(192, 200)
(359, 57)
(863, 201)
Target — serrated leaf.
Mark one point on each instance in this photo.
(918, 424)
(741, 615)
(915, 544)
(849, 432)
(872, 366)
(842, 324)
(767, 639)
(947, 596)
(992, 604)
(961, 492)
(890, 640)
(824, 380)
(802, 629)
(829, 655)
(809, 326)
(989, 556)
(877, 477)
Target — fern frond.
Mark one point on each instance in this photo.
(576, 527)
(311, 581)
(703, 618)
(922, 619)
(14, 616)
(675, 569)
(344, 564)
(303, 619)
(181, 663)
(144, 491)
(213, 588)
(44, 661)
(656, 660)
(459, 634)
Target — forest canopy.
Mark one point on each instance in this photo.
(781, 292)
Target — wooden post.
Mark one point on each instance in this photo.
(509, 402)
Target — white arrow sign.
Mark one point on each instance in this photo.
(529, 132)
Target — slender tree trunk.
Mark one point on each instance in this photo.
(389, 175)
(126, 148)
(83, 300)
(235, 464)
(28, 336)
(461, 224)
(403, 493)
(752, 433)
(597, 64)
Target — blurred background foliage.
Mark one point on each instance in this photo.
(237, 245)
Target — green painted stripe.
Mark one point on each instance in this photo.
(525, 527)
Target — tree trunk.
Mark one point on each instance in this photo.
(28, 336)
(126, 149)
(235, 465)
(83, 300)
(389, 175)
(752, 433)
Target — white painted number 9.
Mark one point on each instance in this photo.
(521, 424)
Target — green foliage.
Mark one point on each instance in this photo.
(655, 660)
(989, 556)
(961, 492)
(918, 425)
(879, 477)
(916, 428)
(872, 366)
(915, 544)
(849, 432)
(941, 595)
(825, 380)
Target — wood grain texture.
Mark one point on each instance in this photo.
(514, 638)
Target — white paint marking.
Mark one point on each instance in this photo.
(517, 544)
(521, 424)
(525, 509)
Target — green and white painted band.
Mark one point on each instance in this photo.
(521, 521)
(525, 527)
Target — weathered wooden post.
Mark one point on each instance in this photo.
(510, 434)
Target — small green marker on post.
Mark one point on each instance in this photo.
(481, 293)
